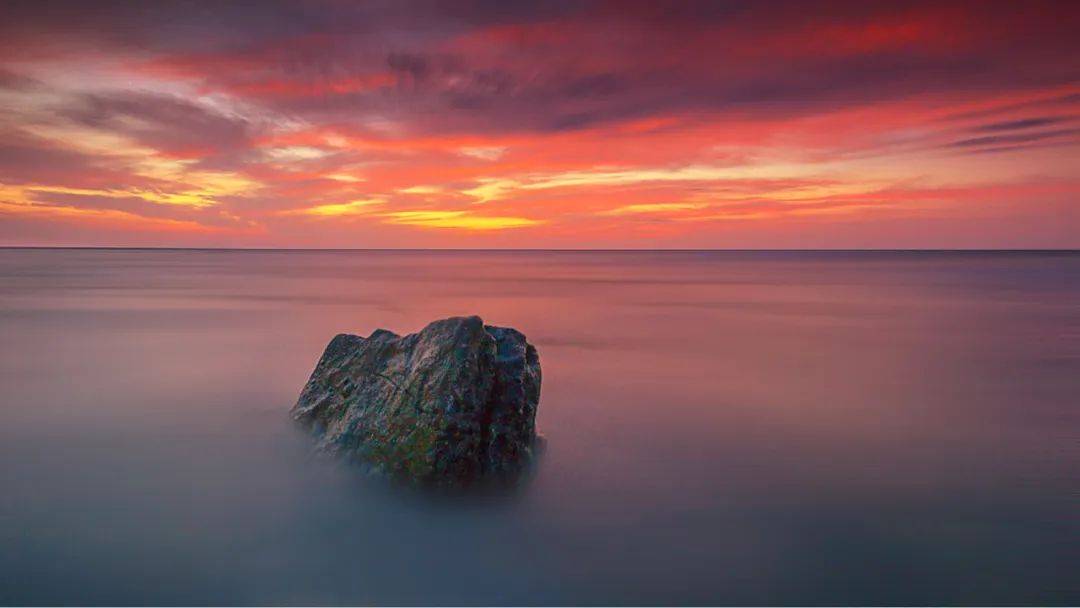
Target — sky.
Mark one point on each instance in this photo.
(504, 124)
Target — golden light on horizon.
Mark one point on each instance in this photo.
(457, 220)
(451, 139)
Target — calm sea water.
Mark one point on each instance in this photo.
(771, 427)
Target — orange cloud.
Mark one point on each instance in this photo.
(460, 220)
(610, 125)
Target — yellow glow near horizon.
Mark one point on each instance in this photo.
(39, 210)
(646, 208)
(357, 207)
(457, 219)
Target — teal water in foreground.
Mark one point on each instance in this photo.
(722, 427)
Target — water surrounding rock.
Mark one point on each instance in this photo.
(449, 406)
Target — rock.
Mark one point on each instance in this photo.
(449, 406)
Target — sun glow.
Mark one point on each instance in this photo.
(457, 220)
(553, 132)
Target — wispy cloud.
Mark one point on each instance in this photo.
(357, 207)
(457, 220)
(543, 124)
(650, 208)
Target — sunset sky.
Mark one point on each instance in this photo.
(563, 125)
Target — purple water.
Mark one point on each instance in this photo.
(723, 427)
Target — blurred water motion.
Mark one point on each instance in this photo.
(722, 427)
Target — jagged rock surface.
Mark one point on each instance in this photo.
(450, 405)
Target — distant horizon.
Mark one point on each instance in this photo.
(539, 249)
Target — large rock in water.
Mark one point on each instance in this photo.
(448, 406)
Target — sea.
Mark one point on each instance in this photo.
(722, 427)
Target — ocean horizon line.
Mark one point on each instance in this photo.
(542, 249)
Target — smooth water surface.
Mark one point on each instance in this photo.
(724, 427)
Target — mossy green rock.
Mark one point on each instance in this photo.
(449, 406)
